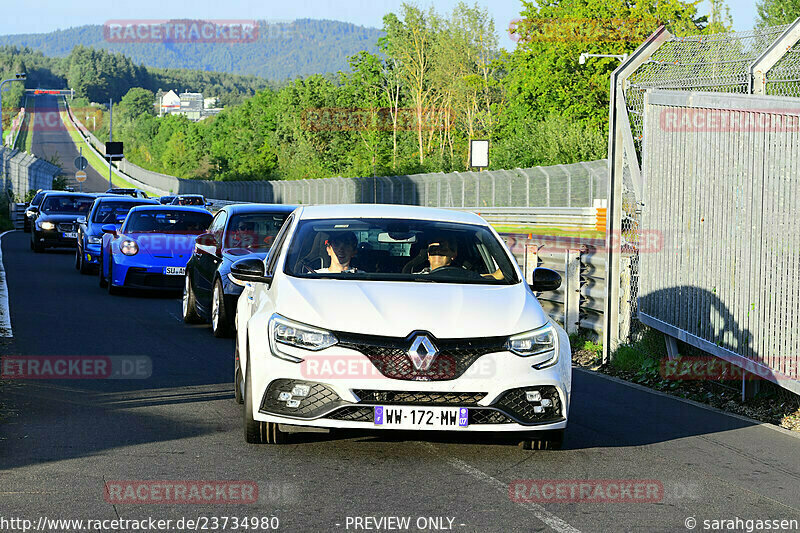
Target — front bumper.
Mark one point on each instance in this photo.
(91, 254)
(55, 239)
(148, 275)
(494, 391)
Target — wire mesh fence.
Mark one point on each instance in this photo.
(23, 172)
(750, 67)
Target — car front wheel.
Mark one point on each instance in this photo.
(255, 431)
(189, 303)
(220, 322)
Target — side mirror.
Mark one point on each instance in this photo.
(250, 269)
(81, 220)
(206, 239)
(109, 228)
(33, 209)
(209, 204)
(545, 280)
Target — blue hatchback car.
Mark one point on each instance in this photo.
(151, 247)
(104, 210)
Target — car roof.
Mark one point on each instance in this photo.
(237, 209)
(389, 211)
(126, 199)
(191, 195)
(169, 208)
(68, 193)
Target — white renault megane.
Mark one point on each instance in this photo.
(397, 317)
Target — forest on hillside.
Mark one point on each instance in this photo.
(435, 82)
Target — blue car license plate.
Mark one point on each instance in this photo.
(174, 271)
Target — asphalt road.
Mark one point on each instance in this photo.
(61, 441)
(52, 140)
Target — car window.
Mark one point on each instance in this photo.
(37, 199)
(67, 205)
(161, 221)
(275, 251)
(107, 212)
(218, 225)
(399, 250)
(254, 230)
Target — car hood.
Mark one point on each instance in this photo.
(56, 218)
(446, 310)
(165, 245)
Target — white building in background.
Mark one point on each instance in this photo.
(170, 102)
(192, 105)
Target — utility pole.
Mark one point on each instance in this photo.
(110, 137)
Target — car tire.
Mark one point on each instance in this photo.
(37, 247)
(237, 376)
(102, 280)
(112, 289)
(549, 440)
(83, 268)
(189, 303)
(257, 432)
(220, 322)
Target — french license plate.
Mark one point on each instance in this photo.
(414, 417)
(70, 235)
(174, 271)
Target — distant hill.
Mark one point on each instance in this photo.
(281, 51)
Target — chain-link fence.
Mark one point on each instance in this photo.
(750, 65)
(23, 172)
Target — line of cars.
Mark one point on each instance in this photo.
(347, 316)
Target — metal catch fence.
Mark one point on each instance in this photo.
(689, 115)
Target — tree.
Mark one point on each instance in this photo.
(135, 102)
(777, 12)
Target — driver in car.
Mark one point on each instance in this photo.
(441, 253)
(243, 236)
(341, 248)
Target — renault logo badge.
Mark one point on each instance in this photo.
(422, 352)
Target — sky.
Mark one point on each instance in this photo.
(50, 15)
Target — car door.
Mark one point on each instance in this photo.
(207, 258)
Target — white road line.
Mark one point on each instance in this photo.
(538, 511)
(5, 311)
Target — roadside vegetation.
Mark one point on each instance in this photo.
(436, 81)
(645, 362)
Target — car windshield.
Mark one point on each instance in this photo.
(398, 250)
(253, 230)
(107, 212)
(37, 199)
(191, 200)
(167, 222)
(67, 205)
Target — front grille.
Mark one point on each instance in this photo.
(459, 399)
(319, 400)
(141, 278)
(488, 416)
(515, 403)
(66, 227)
(390, 354)
(353, 414)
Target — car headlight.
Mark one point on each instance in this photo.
(539, 342)
(47, 226)
(285, 332)
(236, 281)
(129, 247)
(95, 240)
